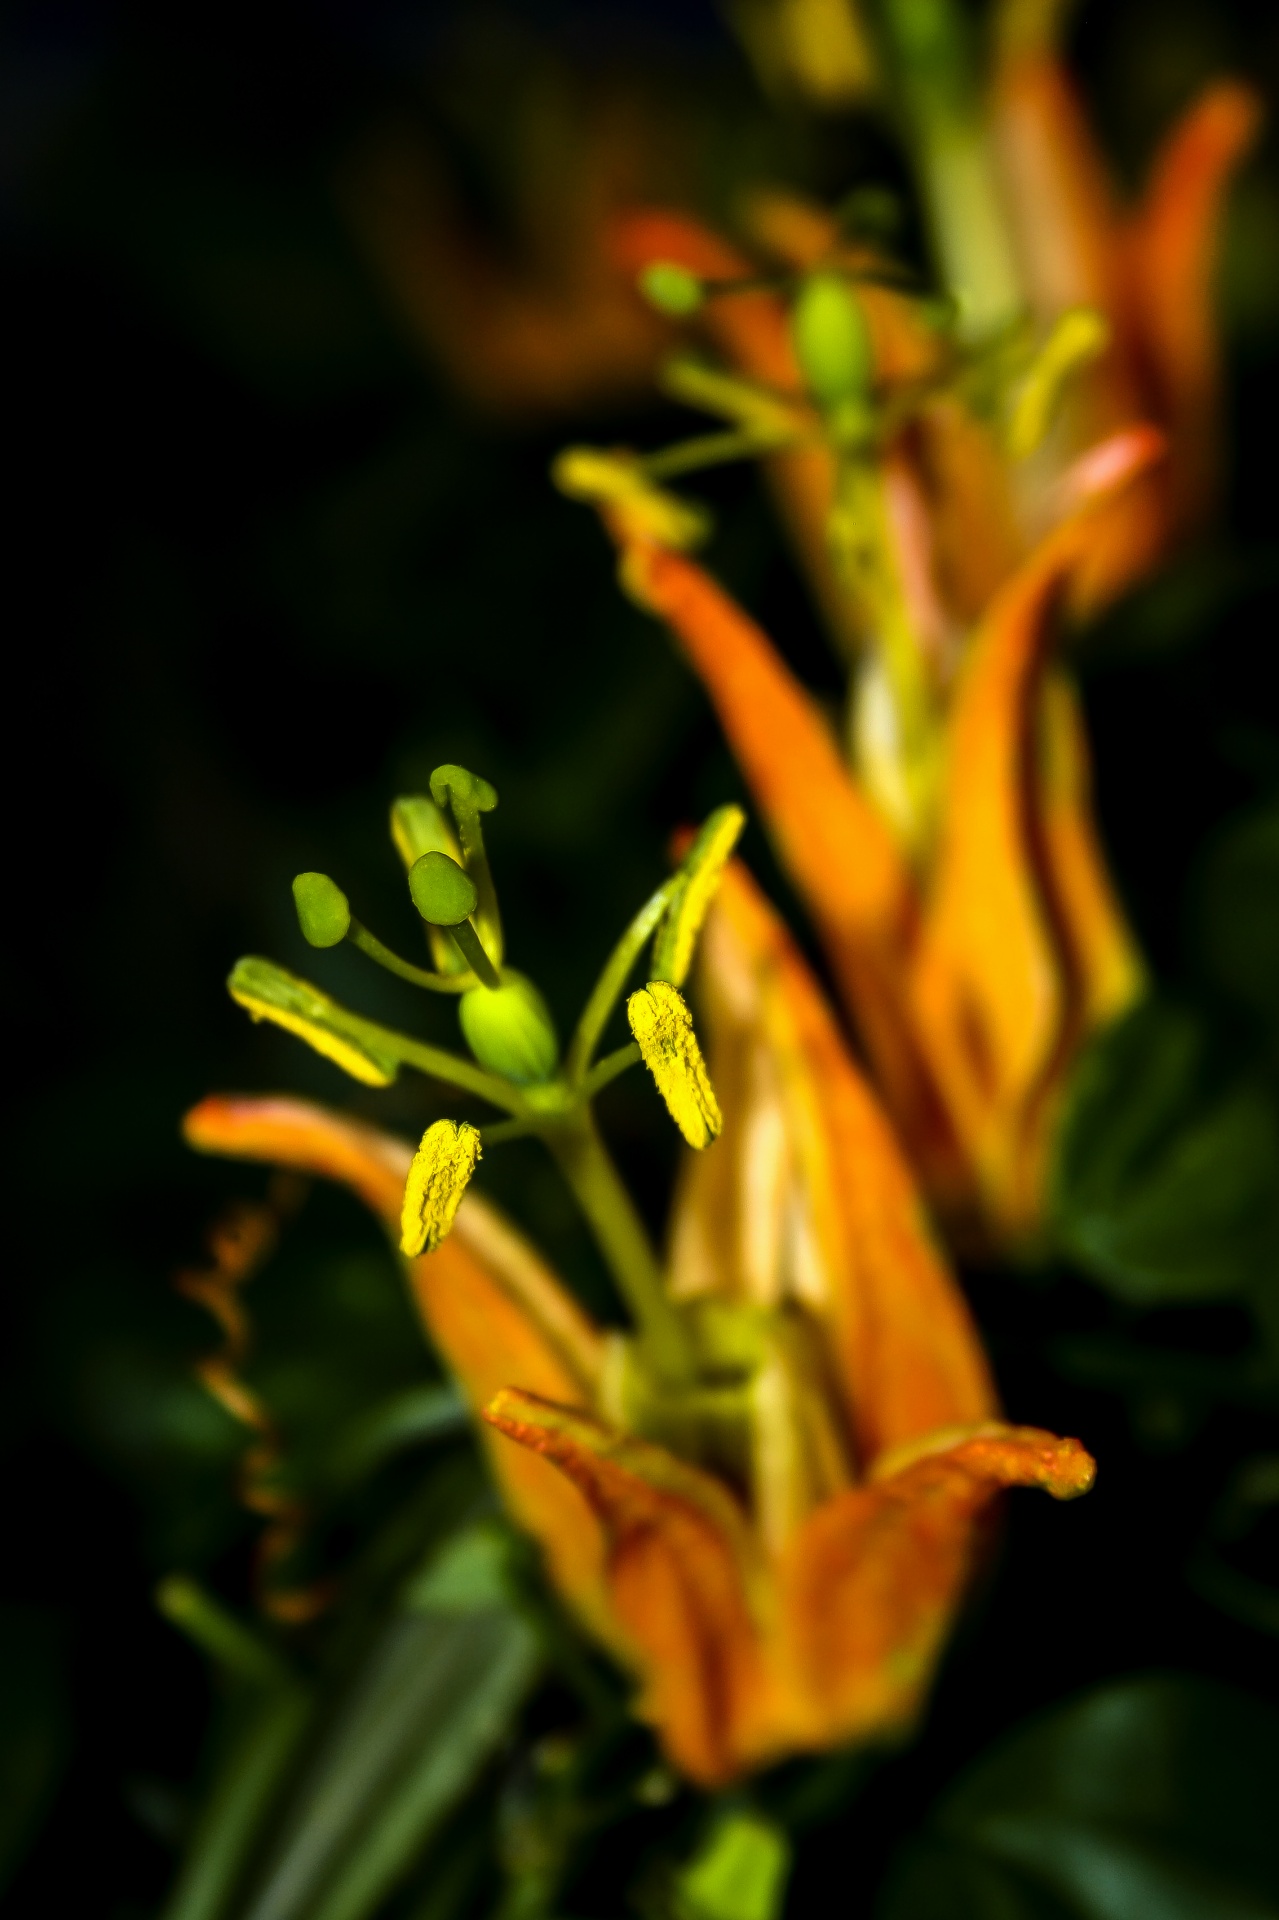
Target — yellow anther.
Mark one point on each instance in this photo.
(1078, 336)
(441, 1171)
(663, 1028)
(267, 992)
(700, 876)
(616, 482)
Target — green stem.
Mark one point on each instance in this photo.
(605, 993)
(622, 1239)
(237, 1649)
(940, 95)
(368, 943)
(713, 450)
(453, 1070)
(473, 951)
(471, 836)
(608, 1069)
(517, 1129)
(754, 408)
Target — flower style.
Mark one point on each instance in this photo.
(775, 1548)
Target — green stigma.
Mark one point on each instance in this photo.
(323, 913)
(443, 893)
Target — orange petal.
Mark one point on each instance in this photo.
(682, 1573)
(1021, 933)
(807, 1197)
(1059, 199)
(835, 847)
(1172, 244)
(496, 1314)
(871, 1582)
(987, 981)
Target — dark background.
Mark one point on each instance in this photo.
(265, 569)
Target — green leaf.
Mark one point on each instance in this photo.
(428, 1709)
(1166, 1185)
(34, 1727)
(1152, 1799)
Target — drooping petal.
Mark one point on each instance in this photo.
(871, 1582)
(493, 1309)
(832, 842)
(807, 1200)
(684, 1575)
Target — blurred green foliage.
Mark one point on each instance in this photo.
(1151, 1797)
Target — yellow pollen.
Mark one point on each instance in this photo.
(441, 1171)
(663, 1029)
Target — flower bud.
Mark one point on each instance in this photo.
(663, 1028)
(671, 289)
(509, 1030)
(323, 913)
(831, 340)
(441, 1170)
(443, 893)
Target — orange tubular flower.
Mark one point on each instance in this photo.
(954, 873)
(777, 1553)
(973, 991)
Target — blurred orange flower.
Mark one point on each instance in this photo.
(973, 991)
(777, 1551)
(952, 869)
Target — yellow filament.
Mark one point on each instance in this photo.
(1078, 336)
(699, 879)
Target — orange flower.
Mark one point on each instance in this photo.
(974, 987)
(777, 1551)
(965, 517)
(1148, 268)
(954, 874)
